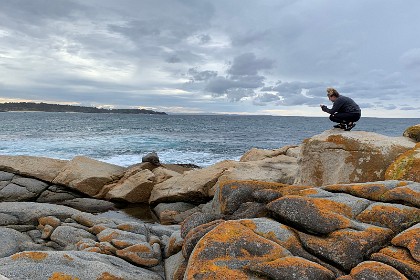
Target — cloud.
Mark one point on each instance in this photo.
(411, 59)
(248, 65)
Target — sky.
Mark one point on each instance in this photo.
(258, 57)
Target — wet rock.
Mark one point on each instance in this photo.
(152, 158)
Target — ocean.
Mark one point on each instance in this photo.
(123, 139)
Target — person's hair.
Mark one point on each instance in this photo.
(332, 92)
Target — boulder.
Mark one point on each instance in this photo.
(152, 157)
(21, 189)
(281, 169)
(413, 132)
(133, 189)
(259, 154)
(406, 166)
(90, 205)
(29, 212)
(46, 169)
(348, 157)
(36, 265)
(166, 212)
(191, 186)
(12, 241)
(374, 271)
(227, 250)
(88, 175)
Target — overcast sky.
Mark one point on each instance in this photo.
(213, 56)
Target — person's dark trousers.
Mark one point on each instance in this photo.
(345, 117)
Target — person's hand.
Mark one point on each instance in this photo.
(321, 105)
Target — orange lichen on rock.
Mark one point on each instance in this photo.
(399, 258)
(369, 191)
(406, 166)
(62, 276)
(227, 249)
(404, 194)
(409, 239)
(317, 215)
(413, 132)
(108, 276)
(395, 217)
(49, 220)
(36, 256)
(292, 268)
(375, 270)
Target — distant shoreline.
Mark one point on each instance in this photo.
(57, 108)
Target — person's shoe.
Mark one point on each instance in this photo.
(350, 126)
(340, 125)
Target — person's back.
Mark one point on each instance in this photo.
(344, 111)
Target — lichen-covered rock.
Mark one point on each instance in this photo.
(319, 215)
(373, 271)
(406, 192)
(141, 254)
(195, 235)
(413, 132)
(175, 267)
(232, 194)
(196, 220)
(394, 216)
(226, 251)
(347, 247)
(406, 166)
(342, 157)
(71, 265)
(400, 259)
(409, 239)
(292, 268)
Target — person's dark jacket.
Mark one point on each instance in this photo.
(342, 104)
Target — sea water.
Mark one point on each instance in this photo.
(123, 139)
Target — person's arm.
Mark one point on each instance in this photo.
(338, 103)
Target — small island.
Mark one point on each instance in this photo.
(45, 107)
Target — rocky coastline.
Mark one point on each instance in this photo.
(341, 205)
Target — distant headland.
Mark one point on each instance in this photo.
(44, 107)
